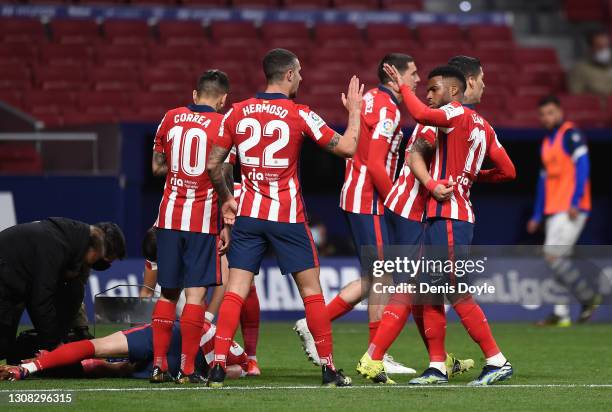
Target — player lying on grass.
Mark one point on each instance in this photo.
(88, 358)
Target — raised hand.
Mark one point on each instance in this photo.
(395, 76)
(352, 99)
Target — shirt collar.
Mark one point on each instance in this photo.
(470, 106)
(200, 108)
(270, 96)
(385, 89)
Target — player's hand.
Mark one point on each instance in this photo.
(395, 76)
(224, 240)
(441, 190)
(573, 213)
(229, 209)
(354, 96)
(532, 226)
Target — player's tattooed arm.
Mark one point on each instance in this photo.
(159, 165)
(228, 174)
(216, 173)
(333, 142)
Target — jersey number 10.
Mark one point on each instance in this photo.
(181, 150)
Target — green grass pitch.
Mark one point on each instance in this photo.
(554, 369)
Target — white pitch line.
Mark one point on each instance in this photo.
(305, 387)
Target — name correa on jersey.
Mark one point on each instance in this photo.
(268, 131)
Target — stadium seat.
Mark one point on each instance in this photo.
(34, 100)
(490, 36)
(15, 77)
(118, 100)
(167, 80)
(306, 4)
(74, 32)
(181, 33)
(440, 34)
(30, 31)
(58, 78)
(19, 158)
(402, 5)
(380, 33)
(585, 10)
(209, 3)
(127, 32)
(15, 53)
(64, 54)
(105, 78)
(175, 56)
(541, 57)
(123, 56)
(356, 4)
(285, 30)
(326, 32)
(233, 34)
(11, 97)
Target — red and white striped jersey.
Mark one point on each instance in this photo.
(369, 174)
(268, 131)
(461, 149)
(408, 197)
(185, 135)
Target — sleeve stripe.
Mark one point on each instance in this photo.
(579, 152)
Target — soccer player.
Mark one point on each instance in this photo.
(464, 139)
(564, 198)
(268, 131)
(369, 176)
(88, 357)
(188, 222)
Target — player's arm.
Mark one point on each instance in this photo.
(417, 109)
(420, 151)
(159, 167)
(345, 145)
(41, 304)
(149, 281)
(575, 145)
(503, 169)
(377, 154)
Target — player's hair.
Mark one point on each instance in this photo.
(591, 35)
(149, 245)
(469, 66)
(277, 62)
(550, 99)
(213, 83)
(114, 240)
(399, 60)
(449, 72)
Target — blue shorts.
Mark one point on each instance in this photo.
(369, 233)
(292, 242)
(140, 351)
(187, 259)
(403, 231)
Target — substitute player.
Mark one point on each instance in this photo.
(88, 357)
(564, 198)
(188, 222)
(369, 177)
(269, 131)
(464, 140)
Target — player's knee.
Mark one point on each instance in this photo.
(171, 295)
(195, 296)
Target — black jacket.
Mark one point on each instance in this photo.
(36, 256)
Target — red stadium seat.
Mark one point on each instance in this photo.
(16, 53)
(325, 32)
(341, 59)
(381, 32)
(285, 30)
(15, 77)
(33, 100)
(175, 56)
(75, 31)
(127, 32)
(209, 3)
(490, 36)
(58, 78)
(30, 31)
(11, 97)
(543, 57)
(357, 4)
(118, 100)
(181, 33)
(435, 33)
(585, 10)
(63, 54)
(167, 80)
(306, 4)
(124, 56)
(114, 79)
(402, 5)
(20, 158)
(233, 33)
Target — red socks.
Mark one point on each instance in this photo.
(475, 323)
(66, 355)
(192, 321)
(227, 323)
(161, 325)
(391, 324)
(373, 329)
(338, 307)
(319, 324)
(249, 322)
(434, 331)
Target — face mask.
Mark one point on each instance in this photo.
(602, 56)
(101, 265)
